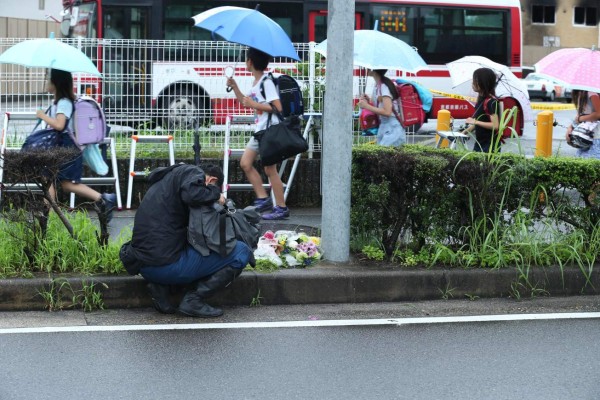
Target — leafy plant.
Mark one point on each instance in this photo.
(88, 298)
(256, 300)
(447, 291)
(54, 295)
(373, 253)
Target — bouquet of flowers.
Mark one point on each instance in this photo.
(289, 249)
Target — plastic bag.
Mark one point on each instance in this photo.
(93, 159)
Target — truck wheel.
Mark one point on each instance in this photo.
(184, 110)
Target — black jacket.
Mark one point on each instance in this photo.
(161, 221)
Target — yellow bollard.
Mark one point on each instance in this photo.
(543, 145)
(443, 124)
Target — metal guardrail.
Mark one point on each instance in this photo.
(163, 87)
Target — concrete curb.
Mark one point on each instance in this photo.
(325, 283)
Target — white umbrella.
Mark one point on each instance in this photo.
(378, 50)
(461, 73)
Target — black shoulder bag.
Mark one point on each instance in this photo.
(281, 141)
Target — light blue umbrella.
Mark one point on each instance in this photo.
(378, 50)
(49, 53)
(248, 27)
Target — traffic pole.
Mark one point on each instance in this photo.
(443, 124)
(337, 124)
(543, 142)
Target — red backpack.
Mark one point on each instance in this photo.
(410, 105)
(516, 122)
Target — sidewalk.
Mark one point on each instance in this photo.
(353, 282)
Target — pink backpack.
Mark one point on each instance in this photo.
(89, 123)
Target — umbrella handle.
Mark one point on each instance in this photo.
(228, 71)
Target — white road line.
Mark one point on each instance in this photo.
(307, 324)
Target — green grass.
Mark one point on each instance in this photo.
(22, 254)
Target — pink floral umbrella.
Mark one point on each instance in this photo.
(578, 67)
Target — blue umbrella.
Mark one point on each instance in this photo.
(248, 27)
(49, 53)
(378, 50)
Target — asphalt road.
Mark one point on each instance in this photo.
(365, 359)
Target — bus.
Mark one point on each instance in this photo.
(182, 77)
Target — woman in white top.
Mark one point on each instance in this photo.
(588, 110)
(384, 103)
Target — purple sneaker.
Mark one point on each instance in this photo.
(263, 205)
(278, 213)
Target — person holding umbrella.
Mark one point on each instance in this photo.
(486, 120)
(60, 84)
(587, 105)
(257, 62)
(384, 103)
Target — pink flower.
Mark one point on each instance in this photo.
(307, 247)
(269, 235)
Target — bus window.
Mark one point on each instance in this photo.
(83, 21)
(447, 34)
(178, 15)
(288, 17)
(179, 24)
(317, 25)
(400, 22)
(444, 34)
(126, 22)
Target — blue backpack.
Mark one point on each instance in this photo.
(289, 92)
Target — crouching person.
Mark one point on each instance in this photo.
(159, 249)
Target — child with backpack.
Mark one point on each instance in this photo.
(257, 62)
(486, 119)
(384, 103)
(60, 84)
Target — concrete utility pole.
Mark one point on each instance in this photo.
(337, 131)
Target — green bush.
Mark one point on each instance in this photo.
(474, 209)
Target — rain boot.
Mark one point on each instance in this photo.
(160, 298)
(193, 303)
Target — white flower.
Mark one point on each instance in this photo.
(291, 260)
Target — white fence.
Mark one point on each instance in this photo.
(163, 87)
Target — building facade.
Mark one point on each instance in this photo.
(29, 18)
(552, 24)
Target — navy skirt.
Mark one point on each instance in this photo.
(72, 169)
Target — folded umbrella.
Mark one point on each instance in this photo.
(248, 27)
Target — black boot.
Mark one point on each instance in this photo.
(193, 303)
(160, 298)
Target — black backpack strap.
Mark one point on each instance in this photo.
(262, 84)
(222, 234)
(222, 211)
(40, 121)
(486, 103)
(276, 112)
